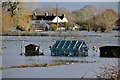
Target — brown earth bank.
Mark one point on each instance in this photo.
(47, 64)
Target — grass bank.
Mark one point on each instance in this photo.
(46, 64)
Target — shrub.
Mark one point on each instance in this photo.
(53, 27)
(111, 72)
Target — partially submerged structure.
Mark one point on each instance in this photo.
(110, 51)
(32, 50)
(69, 48)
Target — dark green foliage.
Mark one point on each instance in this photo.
(46, 28)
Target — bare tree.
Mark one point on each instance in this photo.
(85, 13)
(15, 16)
(106, 19)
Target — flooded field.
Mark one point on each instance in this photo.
(14, 45)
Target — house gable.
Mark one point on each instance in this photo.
(56, 19)
(64, 20)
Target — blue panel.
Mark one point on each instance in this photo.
(56, 44)
(78, 45)
(67, 47)
(61, 43)
(66, 44)
(72, 44)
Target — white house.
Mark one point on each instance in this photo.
(47, 19)
(56, 19)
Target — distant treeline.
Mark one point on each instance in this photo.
(88, 18)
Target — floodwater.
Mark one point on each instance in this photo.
(14, 45)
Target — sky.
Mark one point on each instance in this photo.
(66, 0)
(74, 5)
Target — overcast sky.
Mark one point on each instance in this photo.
(74, 5)
(68, 0)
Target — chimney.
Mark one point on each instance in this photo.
(53, 14)
(63, 15)
(35, 13)
(46, 14)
